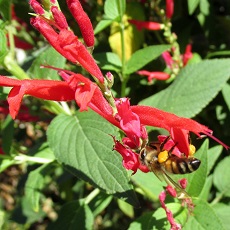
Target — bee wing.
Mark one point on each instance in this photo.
(164, 176)
(181, 193)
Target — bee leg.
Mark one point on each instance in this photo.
(163, 143)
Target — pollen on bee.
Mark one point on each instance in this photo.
(163, 156)
(192, 150)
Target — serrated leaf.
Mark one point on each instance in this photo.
(108, 61)
(34, 184)
(48, 57)
(192, 5)
(73, 215)
(203, 218)
(83, 144)
(226, 95)
(221, 177)
(195, 86)
(143, 56)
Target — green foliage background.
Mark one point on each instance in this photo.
(61, 172)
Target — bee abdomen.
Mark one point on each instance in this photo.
(182, 166)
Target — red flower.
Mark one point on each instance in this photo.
(172, 144)
(146, 25)
(83, 21)
(63, 40)
(188, 54)
(130, 158)
(169, 8)
(69, 46)
(59, 18)
(168, 59)
(129, 121)
(174, 225)
(45, 89)
(84, 89)
(154, 75)
(37, 7)
(155, 117)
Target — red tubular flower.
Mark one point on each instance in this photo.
(36, 7)
(83, 21)
(44, 89)
(169, 8)
(68, 45)
(83, 87)
(174, 225)
(158, 118)
(188, 54)
(154, 75)
(168, 59)
(130, 159)
(129, 121)
(59, 18)
(172, 145)
(146, 25)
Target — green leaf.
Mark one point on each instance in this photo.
(213, 155)
(157, 220)
(221, 177)
(108, 61)
(83, 144)
(222, 211)
(204, 217)
(7, 133)
(3, 46)
(205, 193)
(126, 208)
(143, 56)
(149, 183)
(195, 86)
(205, 7)
(34, 184)
(73, 215)
(226, 94)
(51, 57)
(5, 163)
(102, 25)
(192, 5)
(114, 8)
(5, 9)
(99, 203)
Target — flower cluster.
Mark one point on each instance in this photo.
(52, 24)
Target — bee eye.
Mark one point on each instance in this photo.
(143, 155)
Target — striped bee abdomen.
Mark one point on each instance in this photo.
(178, 165)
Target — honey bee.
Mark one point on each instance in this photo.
(162, 162)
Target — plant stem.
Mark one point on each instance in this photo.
(91, 196)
